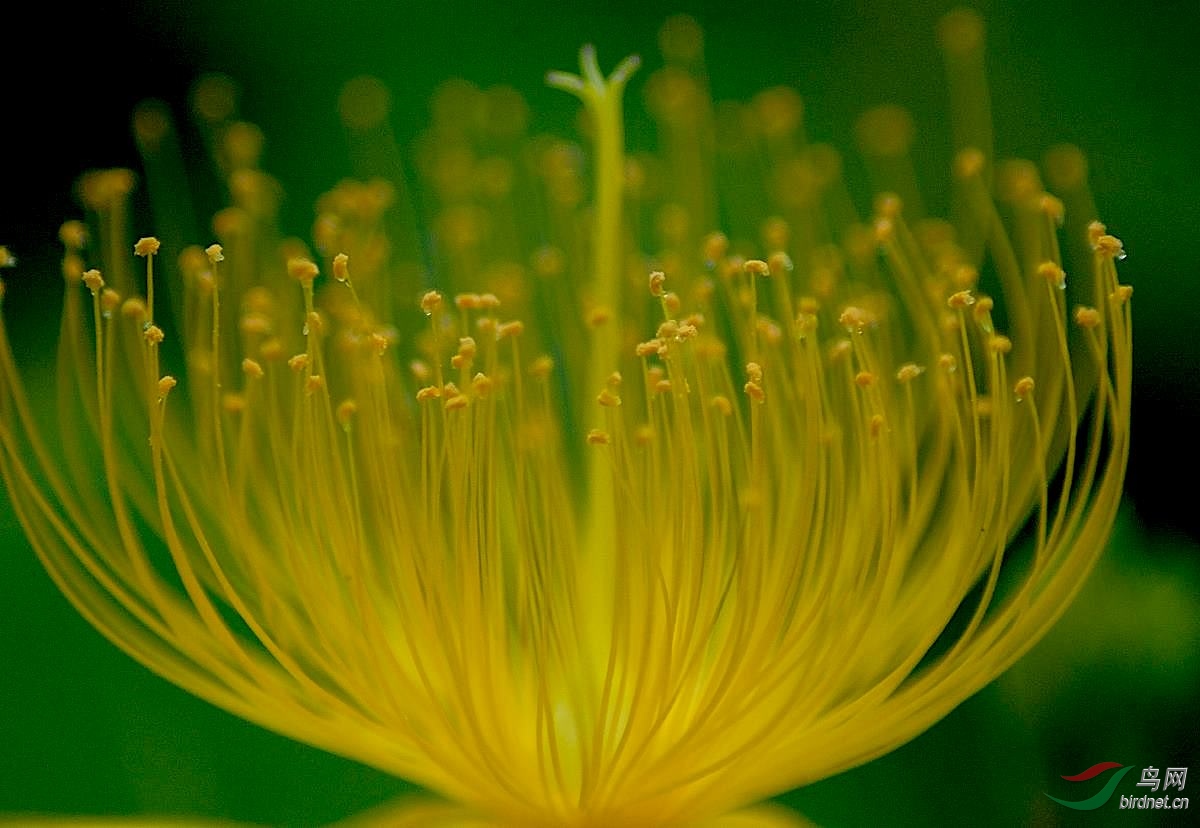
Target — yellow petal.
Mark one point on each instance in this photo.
(417, 813)
(759, 816)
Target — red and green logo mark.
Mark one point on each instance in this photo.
(1101, 796)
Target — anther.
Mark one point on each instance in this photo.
(549, 262)
(960, 300)
(1023, 387)
(875, 425)
(598, 316)
(657, 278)
(458, 401)
(345, 412)
(134, 308)
(72, 269)
(510, 329)
(909, 372)
(888, 206)
(105, 189)
(754, 372)
(1086, 317)
(146, 246)
(839, 350)
(767, 329)
(93, 280)
(429, 392)
(968, 163)
(948, 363)
(154, 334)
(232, 222)
(431, 302)
(1122, 293)
(1017, 182)
(960, 32)
(467, 301)
(313, 323)
(863, 379)
(983, 306)
(73, 234)
(420, 370)
(722, 404)
(754, 391)
(298, 362)
(714, 247)
(341, 267)
(7, 259)
(780, 263)
(1110, 247)
(776, 234)
(854, 320)
(252, 368)
(884, 230)
(1095, 230)
(649, 348)
(1000, 344)
(596, 437)
(756, 267)
(271, 350)
(302, 270)
(1066, 167)
(233, 403)
(1052, 273)
(481, 384)
(671, 303)
(608, 399)
(109, 300)
(964, 277)
(1052, 207)
(258, 300)
(663, 386)
(541, 367)
(255, 324)
(165, 384)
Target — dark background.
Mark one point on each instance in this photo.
(84, 730)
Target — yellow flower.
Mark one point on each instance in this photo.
(660, 522)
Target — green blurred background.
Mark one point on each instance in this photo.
(85, 730)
